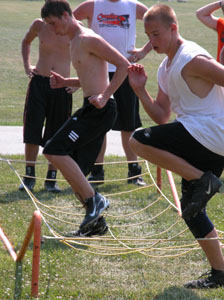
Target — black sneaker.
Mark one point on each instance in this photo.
(212, 279)
(133, 171)
(96, 177)
(29, 183)
(52, 186)
(99, 227)
(95, 206)
(202, 191)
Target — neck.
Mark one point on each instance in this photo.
(74, 28)
(173, 49)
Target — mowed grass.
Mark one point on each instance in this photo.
(73, 273)
(70, 273)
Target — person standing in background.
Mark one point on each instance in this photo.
(44, 104)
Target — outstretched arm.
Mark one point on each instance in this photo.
(159, 110)
(57, 81)
(204, 14)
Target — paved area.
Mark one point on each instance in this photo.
(11, 141)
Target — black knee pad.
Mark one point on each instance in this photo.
(200, 225)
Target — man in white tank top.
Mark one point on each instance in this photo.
(191, 85)
(115, 21)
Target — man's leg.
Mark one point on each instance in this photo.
(59, 104)
(166, 160)
(72, 173)
(125, 137)
(97, 173)
(213, 252)
(133, 168)
(31, 152)
(203, 185)
(212, 249)
(94, 203)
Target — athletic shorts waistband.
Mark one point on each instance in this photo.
(86, 100)
(45, 78)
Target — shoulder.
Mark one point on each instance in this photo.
(37, 25)
(201, 61)
(92, 42)
(191, 49)
(88, 36)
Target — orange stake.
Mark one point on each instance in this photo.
(7, 244)
(26, 240)
(159, 178)
(36, 254)
(174, 191)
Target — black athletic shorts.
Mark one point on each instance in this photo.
(174, 138)
(44, 106)
(82, 135)
(128, 118)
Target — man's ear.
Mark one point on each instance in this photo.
(173, 27)
(65, 14)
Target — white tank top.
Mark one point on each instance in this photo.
(203, 118)
(116, 23)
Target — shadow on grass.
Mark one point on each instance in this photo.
(177, 293)
(41, 195)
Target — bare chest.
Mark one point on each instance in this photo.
(49, 41)
(82, 59)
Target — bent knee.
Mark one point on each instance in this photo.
(50, 157)
(133, 142)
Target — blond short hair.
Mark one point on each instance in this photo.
(160, 12)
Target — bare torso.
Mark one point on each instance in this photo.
(91, 70)
(54, 52)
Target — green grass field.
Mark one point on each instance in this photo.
(71, 273)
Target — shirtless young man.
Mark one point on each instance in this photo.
(42, 102)
(191, 85)
(82, 136)
(115, 21)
